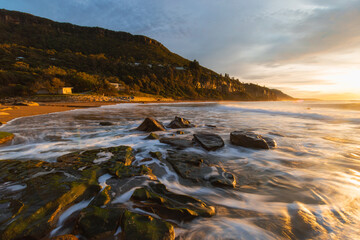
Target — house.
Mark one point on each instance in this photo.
(64, 90)
(61, 90)
(118, 86)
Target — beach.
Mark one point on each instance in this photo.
(10, 112)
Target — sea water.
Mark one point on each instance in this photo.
(310, 182)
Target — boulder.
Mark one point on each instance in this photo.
(155, 198)
(179, 122)
(194, 167)
(251, 140)
(179, 143)
(209, 141)
(150, 125)
(142, 227)
(5, 137)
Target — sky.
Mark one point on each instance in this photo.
(306, 48)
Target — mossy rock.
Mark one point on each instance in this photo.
(5, 137)
(122, 171)
(9, 209)
(65, 237)
(103, 197)
(99, 223)
(141, 227)
(14, 170)
(157, 199)
(45, 197)
(122, 154)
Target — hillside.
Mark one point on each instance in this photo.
(39, 53)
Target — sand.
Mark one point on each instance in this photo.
(8, 113)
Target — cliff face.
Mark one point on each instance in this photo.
(88, 58)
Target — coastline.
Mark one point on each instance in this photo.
(13, 112)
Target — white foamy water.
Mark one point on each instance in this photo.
(316, 165)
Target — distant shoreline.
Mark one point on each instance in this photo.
(11, 112)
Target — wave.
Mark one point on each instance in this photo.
(315, 116)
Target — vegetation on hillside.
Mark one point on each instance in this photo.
(37, 53)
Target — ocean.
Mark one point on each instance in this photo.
(310, 183)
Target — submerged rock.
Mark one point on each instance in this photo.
(5, 137)
(106, 124)
(304, 223)
(156, 199)
(150, 125)
(157, 155)
(251, 140)
(209, 141)
(152, 136)
(142, 227)
(179, 122)
(180, 143)
(193, 167)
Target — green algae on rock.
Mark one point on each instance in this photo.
(99, 223)
(158, 200)
(142, 227)
(122, 154)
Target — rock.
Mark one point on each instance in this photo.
(193, 167)
(180, 132)
(179, 143)
(5, 137)
(150, 125)
(102, 198)
(249, 140)
(209, 141)
(157, 155)
(106, 123)
(179, 122)
(65, 237)
(26, 103)
(271, 142)
(152, 136)
(155, 198)
(43, 203)
(210, 126)
(141, 227)
(99, 223)
(123, 154)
